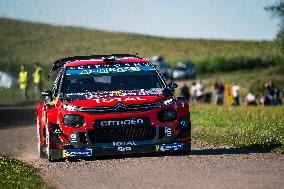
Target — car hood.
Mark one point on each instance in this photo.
(111, 98)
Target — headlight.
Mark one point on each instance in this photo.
(167, 115)
(73, 120)
(70, 107)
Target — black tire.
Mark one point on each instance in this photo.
(47, 149)
(47, 143)
(41, 152)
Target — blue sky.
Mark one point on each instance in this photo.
(215, 19)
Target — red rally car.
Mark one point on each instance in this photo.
(107, 105)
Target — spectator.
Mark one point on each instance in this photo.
(23, 80)
(219, 92)
(274, 95)
(199, 90)
(277, 96)
(250, 99)
(235, 91)
(193, 92)
(38, 79)
(269, 99)
(184, 90)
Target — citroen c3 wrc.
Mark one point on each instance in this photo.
(110, 105)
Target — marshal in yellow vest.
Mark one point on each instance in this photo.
(229, 96)
(23, 79)
(37, 75)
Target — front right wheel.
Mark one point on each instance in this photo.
(47, 142)
(39, 145)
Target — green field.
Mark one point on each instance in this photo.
(26, 42)
(245, 127)
(16, 174)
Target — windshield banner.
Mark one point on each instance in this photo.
(105, 68)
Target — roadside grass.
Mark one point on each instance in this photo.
(245, 127)
(16, 174)
(13, 97)
(248, 80)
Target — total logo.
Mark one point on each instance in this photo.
(126, 143)
(101, 100)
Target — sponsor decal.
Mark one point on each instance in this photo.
(73, 136)
(108, 70)
(77, 153)
(168, 131)
(169, 147)
(124, 149)
(126, 143)
(112, 65)
(141, 121)
(132, 121)
(104, 94)
(57, 131)
(102, 100)
(116, 92)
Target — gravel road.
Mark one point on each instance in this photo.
(206, 167)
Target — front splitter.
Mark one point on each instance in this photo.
(119, 150)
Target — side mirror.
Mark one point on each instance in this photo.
(181, 98)
(167, 91)
(47, 95)
(173, 85)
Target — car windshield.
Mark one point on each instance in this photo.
(94, 78)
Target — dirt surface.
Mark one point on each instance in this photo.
(206, 167)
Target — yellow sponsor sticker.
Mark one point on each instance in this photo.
(116, 92)
(157, 148)
(66, 154)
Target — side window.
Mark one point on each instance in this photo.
(56, 84)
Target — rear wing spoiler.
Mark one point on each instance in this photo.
(110, 57)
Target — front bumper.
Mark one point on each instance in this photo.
(121, 140)
(120, 150)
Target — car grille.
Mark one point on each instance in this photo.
(119, 134)
(119, 108)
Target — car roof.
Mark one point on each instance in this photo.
(101, 61)
(94, 59)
